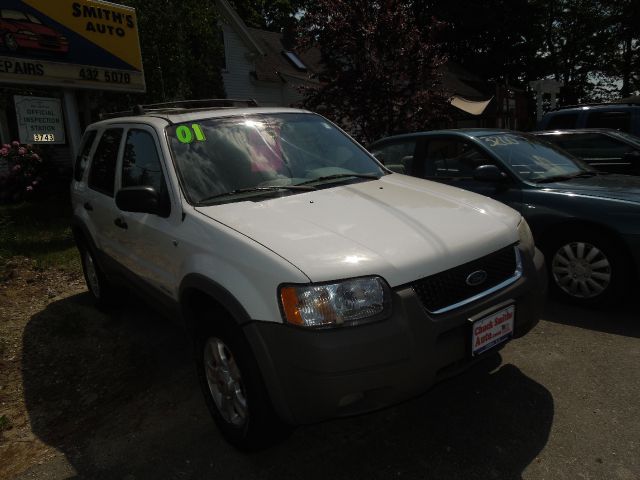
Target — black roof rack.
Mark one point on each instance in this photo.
(181, 106)
(603, 104)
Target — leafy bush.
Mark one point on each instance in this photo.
(25, 175)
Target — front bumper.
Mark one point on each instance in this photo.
(312, 375)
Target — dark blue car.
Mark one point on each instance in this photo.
(586, 222)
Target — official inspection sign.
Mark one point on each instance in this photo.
(39, 119)
(70, 43)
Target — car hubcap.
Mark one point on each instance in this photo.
(581, 270)
(225, 382)
(92, 275)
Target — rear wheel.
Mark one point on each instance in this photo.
(101, 290)
(587, 268)
(233, 388)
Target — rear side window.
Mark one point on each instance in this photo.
(615, 120)
(103, 166)
(562, 121)
(83, 156)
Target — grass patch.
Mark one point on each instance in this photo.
(5, 424)
(40, 230)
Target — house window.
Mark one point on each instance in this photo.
(293, 58)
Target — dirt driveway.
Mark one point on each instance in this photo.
(90, 395)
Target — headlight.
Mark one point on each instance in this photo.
(348, 302)
(526, 238)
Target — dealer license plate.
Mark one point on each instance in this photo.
(492, 330)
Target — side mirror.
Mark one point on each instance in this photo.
(489, 173)
(142, 200)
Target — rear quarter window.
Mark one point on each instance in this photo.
(615, 120)
(83, 156)
(562, 121)
(102, 173)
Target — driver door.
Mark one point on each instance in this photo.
(453, 160)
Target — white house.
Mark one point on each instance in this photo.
(258, 66)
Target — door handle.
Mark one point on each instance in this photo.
(119, 222)
(88, 207)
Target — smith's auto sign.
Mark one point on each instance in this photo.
(66, 43)
(39, 119)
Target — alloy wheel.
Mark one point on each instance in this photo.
(581, 269)
(92, 274)
(225, 382)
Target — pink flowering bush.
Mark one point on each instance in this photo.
(23, 175)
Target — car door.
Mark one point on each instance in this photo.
(147, 247)
(100, 204)
(453, 160)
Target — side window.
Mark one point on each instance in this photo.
(594, 145)
(562, 121)
(141, 163)
(453, 159)
(400, 153)
(102, 174)
(615, 120)
(83, 156)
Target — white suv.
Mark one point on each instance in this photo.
(314, 282)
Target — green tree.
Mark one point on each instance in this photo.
(380, 69)
(274, 15)
(496, 39)
(182, 51)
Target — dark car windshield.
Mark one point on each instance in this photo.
(232, 158)
(532, 158)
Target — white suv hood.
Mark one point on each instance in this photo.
(401, 228)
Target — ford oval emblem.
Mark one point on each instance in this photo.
(476, 278)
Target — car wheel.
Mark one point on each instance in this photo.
(10, 42)
(101, 290)
(234, 390)
(587, 269)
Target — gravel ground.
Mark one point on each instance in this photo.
(90, 395)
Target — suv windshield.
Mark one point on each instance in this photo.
(232, 158)
(534, 159)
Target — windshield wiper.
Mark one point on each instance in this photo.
(370, 176)
(303, 188)
(559, 178)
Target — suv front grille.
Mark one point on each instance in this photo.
(447, 290)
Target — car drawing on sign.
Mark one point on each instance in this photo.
(604, 149)
(24, 31)
(314, 282)
(586, 222)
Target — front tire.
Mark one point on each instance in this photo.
(587, 268)
(233, 388)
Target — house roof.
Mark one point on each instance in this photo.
(274, 66)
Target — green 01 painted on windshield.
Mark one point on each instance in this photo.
(186, 134)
